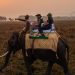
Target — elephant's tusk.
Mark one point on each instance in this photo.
(4, 54)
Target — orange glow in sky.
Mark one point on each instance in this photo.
(13, 8)
(4, 3)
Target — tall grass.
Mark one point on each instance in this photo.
(16, 67)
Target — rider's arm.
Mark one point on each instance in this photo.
(20, 19)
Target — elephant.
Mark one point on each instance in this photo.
(17, 42)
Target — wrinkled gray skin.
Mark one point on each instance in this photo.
(17, 42)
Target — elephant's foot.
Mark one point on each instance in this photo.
(68, 73)
(1, 71)
(2, 68)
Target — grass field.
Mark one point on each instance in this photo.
(16, 66)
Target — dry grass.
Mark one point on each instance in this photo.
(16, 67)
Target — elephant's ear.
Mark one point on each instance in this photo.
(13, 40)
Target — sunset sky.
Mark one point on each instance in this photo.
(14, 8)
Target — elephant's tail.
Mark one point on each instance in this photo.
(4, 54)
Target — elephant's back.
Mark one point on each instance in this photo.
(50, 43)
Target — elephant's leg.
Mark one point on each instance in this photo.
(63, 64)
(14, 52)
(30, 68)
(6, 60)
(62, 61)
(28, 63)
(49, 68)
(27, 59)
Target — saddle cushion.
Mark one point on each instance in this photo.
(50, 43)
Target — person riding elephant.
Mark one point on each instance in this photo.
(40, 24)
(49, 25)
(27, 24)
(50, 22)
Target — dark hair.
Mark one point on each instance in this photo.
(26, 17)
(50, 18)
(38, 15)
(49, 14)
